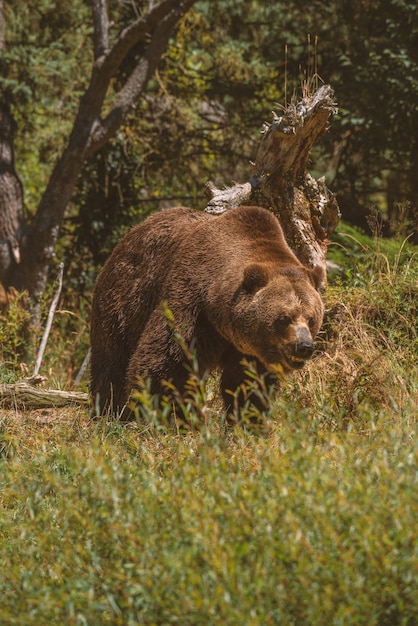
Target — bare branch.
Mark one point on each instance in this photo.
(136, 31)
(83, 368)
(101, 28)
(221, 200)
(48, 325)
(137, 80)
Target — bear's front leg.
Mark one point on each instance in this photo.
(246, 387)
(161, 356)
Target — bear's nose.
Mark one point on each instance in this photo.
(304, 349)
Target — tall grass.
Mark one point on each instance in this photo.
(312, 521)
(118, 525)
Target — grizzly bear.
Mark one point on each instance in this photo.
(235, 292)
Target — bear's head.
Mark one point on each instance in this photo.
(276, 315)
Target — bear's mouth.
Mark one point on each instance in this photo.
(287, 360)
(295, 362)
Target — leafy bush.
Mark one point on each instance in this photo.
(14, 335)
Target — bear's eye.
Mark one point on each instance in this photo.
(311, 322)
(283, 322)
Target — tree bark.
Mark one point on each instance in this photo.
(11, 198)
(1, 25)
(91, 131)
(307, 211)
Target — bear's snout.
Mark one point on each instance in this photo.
(301, 348)
(304, 349)
(299, 353)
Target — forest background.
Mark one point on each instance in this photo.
(228, 64)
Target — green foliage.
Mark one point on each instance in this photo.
(127, 526)
(67, 345)
(44, 68)
(223, 73)
(14, 334)
(359, 253)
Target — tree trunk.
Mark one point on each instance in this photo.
(11, 208)
(307, 211)
(11, 198)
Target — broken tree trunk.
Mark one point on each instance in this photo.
(307, 211)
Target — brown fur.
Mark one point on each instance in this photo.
(234, 287)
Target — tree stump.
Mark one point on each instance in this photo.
(306, 209)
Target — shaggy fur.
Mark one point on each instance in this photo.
(235, 290)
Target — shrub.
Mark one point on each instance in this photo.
(14, 337)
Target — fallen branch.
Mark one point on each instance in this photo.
(26, 394)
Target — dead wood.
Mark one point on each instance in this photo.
(307, 210)
(48, 325)
(26, 394)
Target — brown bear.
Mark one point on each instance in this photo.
(235, 291)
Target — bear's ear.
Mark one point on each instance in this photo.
(318, 277)
(255, 277)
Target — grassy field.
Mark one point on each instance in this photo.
(311, 522)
